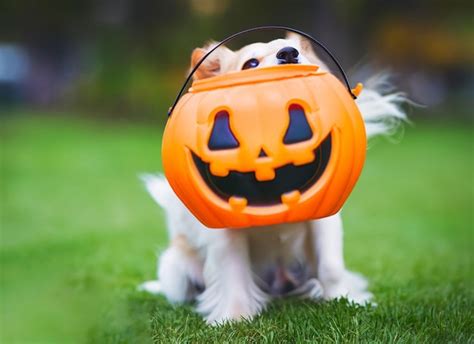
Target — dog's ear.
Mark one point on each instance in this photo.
(307, 50)
(213, 64)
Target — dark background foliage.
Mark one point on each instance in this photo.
(129, 57)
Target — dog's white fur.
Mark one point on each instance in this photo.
(226, 271)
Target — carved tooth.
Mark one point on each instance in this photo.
(238, 203)
(303, 158)
(290, 198)
(264, 173)
(219, 170)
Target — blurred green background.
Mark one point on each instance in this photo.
(84, 92)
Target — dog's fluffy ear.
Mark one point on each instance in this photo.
(307, 50)
(213, 64)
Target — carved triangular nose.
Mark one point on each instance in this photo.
(262, 154)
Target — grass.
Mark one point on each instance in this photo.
(79, 233)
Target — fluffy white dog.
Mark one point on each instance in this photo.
(233, 274)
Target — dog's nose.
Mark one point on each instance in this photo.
(287, 55)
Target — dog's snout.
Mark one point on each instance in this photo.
(287, 55)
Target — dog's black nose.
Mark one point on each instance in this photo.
(287, 55)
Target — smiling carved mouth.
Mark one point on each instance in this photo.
(289, 182)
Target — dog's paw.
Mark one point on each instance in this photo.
(232, 313)
(219, 308)
(152, 287)
(362, 298)
(311, 289)
(351, 286)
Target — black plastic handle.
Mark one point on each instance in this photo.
(261, 28)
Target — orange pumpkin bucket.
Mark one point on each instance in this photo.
(264, 146)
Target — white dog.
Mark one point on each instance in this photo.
(233, 274)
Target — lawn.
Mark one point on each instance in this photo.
(79, 233)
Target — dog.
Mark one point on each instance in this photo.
(234, 274)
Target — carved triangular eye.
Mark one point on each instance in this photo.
(298, 129)
(221, 135)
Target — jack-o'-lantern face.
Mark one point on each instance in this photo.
(264, 146)
(275, 171)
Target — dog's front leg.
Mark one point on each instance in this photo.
(230, 290)
(335, 279)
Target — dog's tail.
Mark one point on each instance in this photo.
(159, 189)
(178, 216)
(381, 108)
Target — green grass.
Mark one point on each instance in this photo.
(79, 233)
